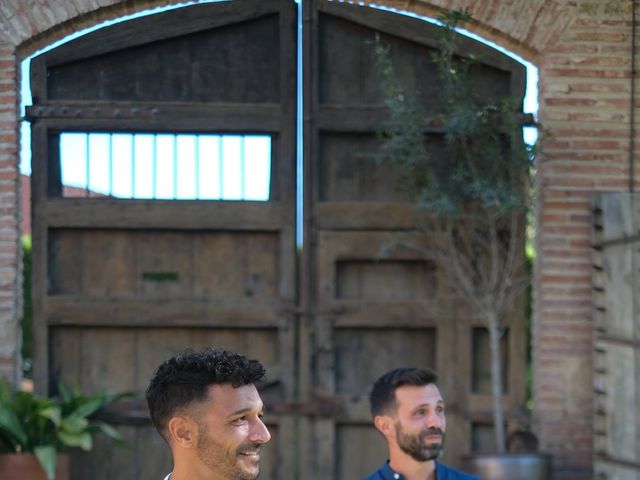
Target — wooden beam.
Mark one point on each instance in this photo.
(173, 313)
(165, 214)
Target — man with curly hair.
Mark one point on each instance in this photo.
(409, 411)
(206, 406)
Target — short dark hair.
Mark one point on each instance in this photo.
(383, 394)
(185, 378)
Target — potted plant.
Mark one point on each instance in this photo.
(35, 430)
(474, 195)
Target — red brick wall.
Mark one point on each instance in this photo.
(585, 102)
(10, 267)
(582, 48)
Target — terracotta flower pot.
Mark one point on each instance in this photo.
(25, 466)
(508, 466)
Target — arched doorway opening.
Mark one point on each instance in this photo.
(122, 282)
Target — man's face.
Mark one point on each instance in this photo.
(231, 432)
(420, 421)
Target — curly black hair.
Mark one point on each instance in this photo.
(184, 379)
(383, 394)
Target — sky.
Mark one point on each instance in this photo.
(168, 166)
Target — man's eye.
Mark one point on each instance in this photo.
(239, 421)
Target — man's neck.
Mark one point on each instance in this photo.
(194, 471)
(412, 469)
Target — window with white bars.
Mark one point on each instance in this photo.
(166, 166)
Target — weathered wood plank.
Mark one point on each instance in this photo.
(164, 214)
(160, 116)
(362, 355)
(151, 453)
(114, 462)
(415, 30)
(236, 265)
(350, 171)
(107, 262)
(164, 265)
(362, 448)
(65, 351)
(616, 218)
(160, 312)
(409, 315)
(106, 359)
(154, 346)
(146, 30)
(65, 266)
(369, 215)
(39, 259)
(366, 118)
(260, 344)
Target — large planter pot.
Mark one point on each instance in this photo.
(508, 466)
(25, 466)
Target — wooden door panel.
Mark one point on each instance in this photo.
(376, 303)
(209, 63)
(364, 352)
(236, 265)
(122, 284)
(217, 266)
(361, 446)
(616, 366)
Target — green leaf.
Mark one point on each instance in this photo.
(110, 432)
(74, 424)
(65, 394)
(10, 423)
(48, 457)
(81, 440)
(53, 413)
(91, 406)
(5, 392)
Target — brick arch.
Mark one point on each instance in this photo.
(582, 49)
(515, 26)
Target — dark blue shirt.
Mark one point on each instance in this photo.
(442, 473)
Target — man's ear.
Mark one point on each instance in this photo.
(183, 431)
(384, 423)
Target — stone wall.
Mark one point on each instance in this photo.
(583, 51)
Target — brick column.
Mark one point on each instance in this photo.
(10, 251)
(584, 104)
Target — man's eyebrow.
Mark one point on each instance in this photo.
(422, 405)
(245, 410)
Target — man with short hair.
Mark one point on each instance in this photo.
(409, 411)
(206, 406)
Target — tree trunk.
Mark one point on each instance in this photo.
(496, 381)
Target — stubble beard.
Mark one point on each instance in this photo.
(414, 446)
(213, 455)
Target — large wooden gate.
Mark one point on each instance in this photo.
(376, 307)
(122, 283)
(616, 366)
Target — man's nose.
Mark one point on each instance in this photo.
(260, 433)
(435, 420)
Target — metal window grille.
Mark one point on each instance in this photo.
(166, 166)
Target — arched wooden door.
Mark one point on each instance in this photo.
(123, 280)
(122, 283)
(369, 312)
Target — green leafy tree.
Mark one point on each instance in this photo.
(474, 192)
